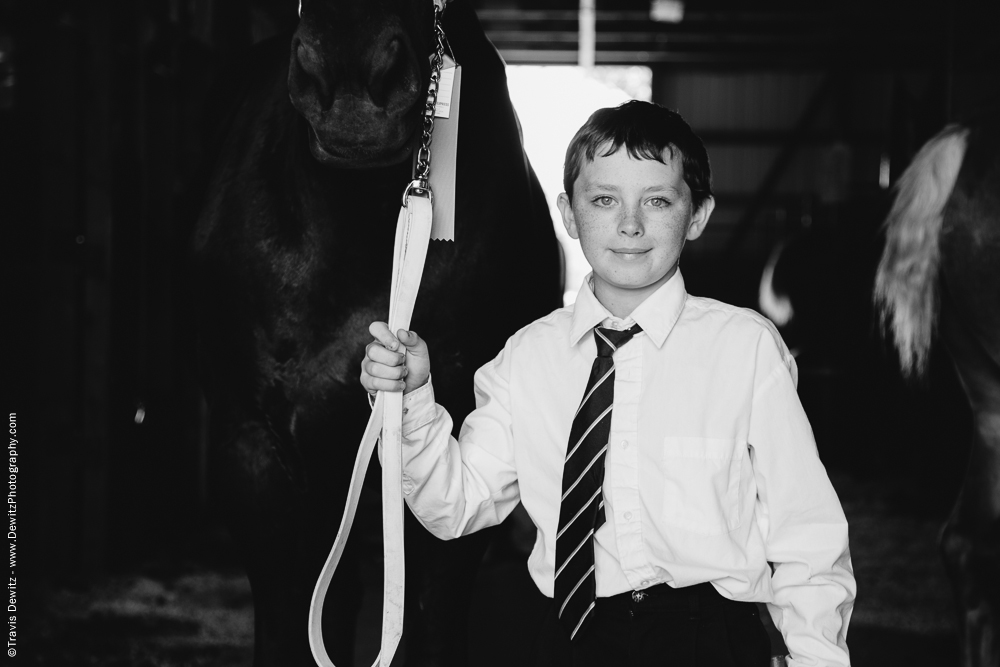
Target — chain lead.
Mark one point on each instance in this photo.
(422, 168)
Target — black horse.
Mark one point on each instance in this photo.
(941, 272)
(293, 256)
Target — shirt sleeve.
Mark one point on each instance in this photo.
(456, 487)
(800, 517)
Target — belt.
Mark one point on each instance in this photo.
(661, 597)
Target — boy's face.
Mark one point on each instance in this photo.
(632, 218)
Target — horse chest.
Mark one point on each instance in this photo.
(323, 291)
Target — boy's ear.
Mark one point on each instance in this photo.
(566, 210)
(700, 218)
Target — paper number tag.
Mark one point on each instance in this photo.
(445, 150)
(443, 107)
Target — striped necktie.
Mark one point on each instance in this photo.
(581, 511)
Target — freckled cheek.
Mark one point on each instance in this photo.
(594, 231)
(593, 221)
(673, 232)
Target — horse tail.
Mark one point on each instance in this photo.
(906, 286)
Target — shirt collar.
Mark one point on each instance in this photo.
(656, 315)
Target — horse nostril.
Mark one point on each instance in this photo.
(312, 74)
(309, 59)
(392, 81)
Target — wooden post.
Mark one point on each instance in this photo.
(588, 34)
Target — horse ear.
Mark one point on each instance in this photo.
(699, 219)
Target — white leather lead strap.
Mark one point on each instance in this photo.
(413, 231)
(412, 235)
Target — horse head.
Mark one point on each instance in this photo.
(358, 74)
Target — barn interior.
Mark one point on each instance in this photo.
(809, 110)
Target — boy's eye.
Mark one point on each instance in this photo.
(604, 201)
(659, 202)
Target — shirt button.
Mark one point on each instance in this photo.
(624, 444)
(645, 582)
(628, 515)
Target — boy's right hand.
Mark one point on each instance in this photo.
(394, 363)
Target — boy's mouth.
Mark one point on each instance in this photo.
(630, 253)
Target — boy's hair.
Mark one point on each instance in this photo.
(646, 130)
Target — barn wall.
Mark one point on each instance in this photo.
(833, 132)
(64, 207)
(102, 156)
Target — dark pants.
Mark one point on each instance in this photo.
(689, 627)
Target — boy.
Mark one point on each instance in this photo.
(662, 497)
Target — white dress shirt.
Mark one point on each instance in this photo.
(711, 471)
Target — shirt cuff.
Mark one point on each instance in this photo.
(418, 408)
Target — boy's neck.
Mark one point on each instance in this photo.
(622, 302)
(617, 308)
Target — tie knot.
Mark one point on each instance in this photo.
(609, 340)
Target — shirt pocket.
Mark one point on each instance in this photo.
(701, 483)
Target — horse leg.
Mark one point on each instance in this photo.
(971, 538)
(440, 578)
(282, 553)
(970, 543)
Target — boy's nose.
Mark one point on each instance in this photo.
(630, 224)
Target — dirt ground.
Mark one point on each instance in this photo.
(903, 615)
